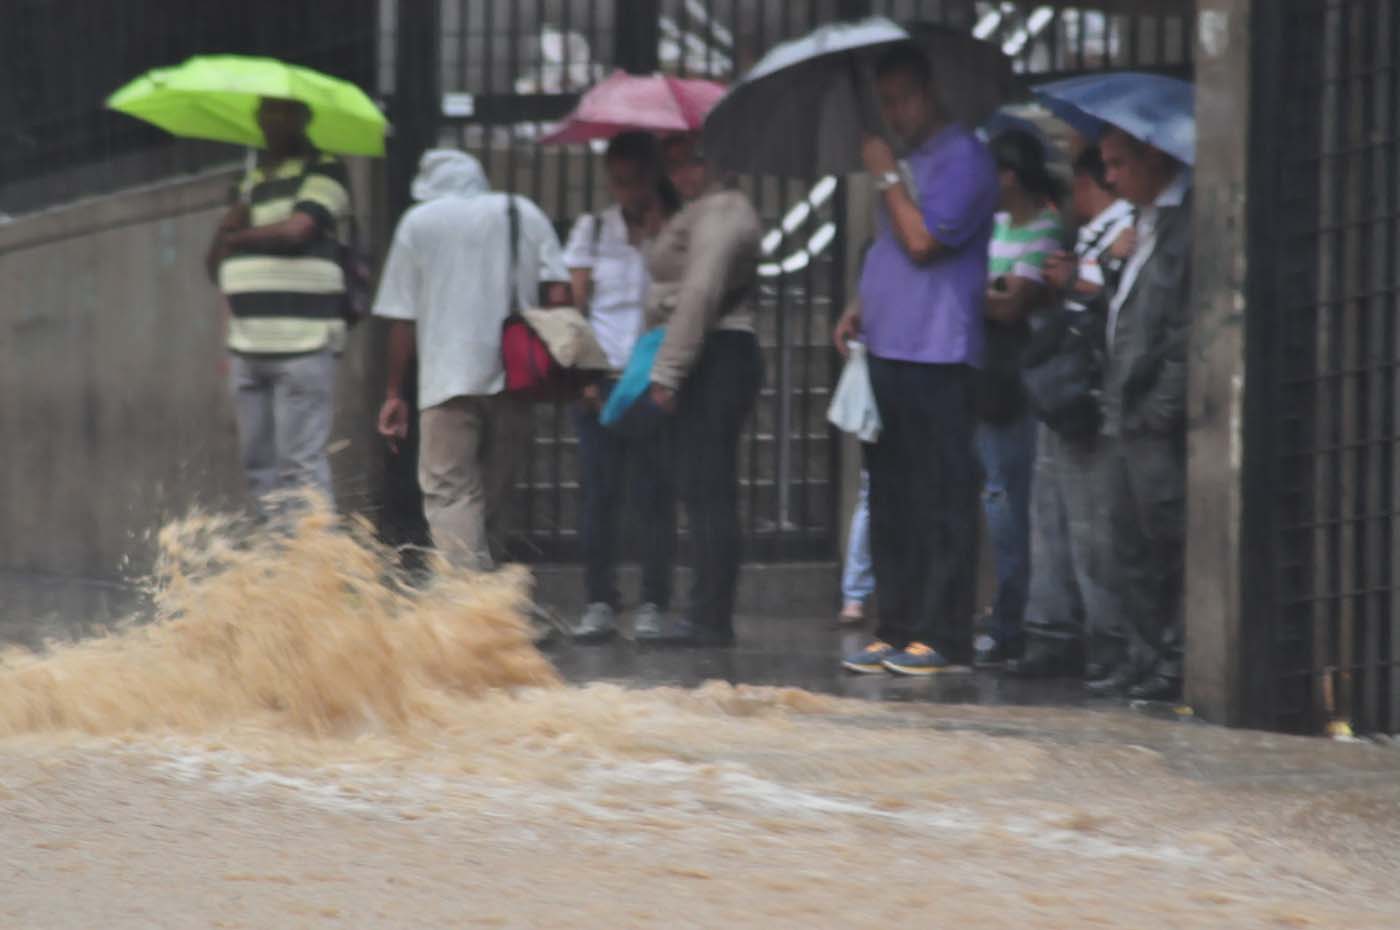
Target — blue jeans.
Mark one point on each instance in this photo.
(1007, 454)
(620, 469)
(858, 578)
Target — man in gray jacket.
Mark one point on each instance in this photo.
(1140, 516)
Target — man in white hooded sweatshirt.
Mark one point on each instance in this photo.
(447, 289)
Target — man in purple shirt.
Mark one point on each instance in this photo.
(921, 316)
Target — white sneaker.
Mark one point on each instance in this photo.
(599, 622)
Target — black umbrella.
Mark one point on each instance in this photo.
(803, 109)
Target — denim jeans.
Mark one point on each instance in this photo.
(858, 577)
(284, 406)
(617, 469)
(1007, 454)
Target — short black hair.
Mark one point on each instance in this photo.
(640, 148)
(905, 58)
(643, 149)
(1023, 154)
(1089, 163)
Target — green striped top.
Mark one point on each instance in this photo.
(287, 302)
(1020, 251)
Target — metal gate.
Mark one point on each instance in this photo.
(1322, 583)
(505, 68)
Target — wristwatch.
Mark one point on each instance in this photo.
(887, 180)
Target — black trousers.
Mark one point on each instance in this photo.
(622, 471)
(713, 405)
(923, 504)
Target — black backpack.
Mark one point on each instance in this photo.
(1063, 369)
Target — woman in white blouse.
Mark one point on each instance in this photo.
(609, 277)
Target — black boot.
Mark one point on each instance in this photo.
(1156, 688)
(1045, 661)
(1116, 684)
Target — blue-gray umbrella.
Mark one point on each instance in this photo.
(1157, 109)
(803, 109)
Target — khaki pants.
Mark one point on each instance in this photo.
(467, 459)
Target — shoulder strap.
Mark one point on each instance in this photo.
(597, 234)
(512, 272)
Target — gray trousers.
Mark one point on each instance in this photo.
(1070, 606)
(284, 406)
(1140, 545)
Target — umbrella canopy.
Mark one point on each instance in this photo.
(803, 109)
(216, 97)
(651, 102)
(1158, 110)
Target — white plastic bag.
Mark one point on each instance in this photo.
(853, 408)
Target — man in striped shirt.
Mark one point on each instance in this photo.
(275, 257)
(1070, 626)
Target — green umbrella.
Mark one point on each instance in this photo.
(216, 97)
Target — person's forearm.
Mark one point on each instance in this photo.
(287, 234)
(402, 348)
(908, 222)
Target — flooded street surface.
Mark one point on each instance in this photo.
(292, 744)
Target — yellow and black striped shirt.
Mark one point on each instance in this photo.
(290, 301)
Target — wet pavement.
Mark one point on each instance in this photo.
(802, 653)
(299, 748)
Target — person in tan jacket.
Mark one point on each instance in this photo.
(707, 374)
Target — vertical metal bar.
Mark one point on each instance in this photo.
(1377, 124)
(488, 79)
(682, 21)
(1352, 580)
(1324, 437)
(588, 162)
(1164, 19)
(840, 261)
(1081, 17)
(1133, 23)
(760, 33)
(1390, 607)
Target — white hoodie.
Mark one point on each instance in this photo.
(447, 272)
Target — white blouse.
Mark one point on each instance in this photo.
(619, 280)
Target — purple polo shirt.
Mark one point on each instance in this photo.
(933, 313)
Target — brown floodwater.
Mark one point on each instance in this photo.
(296, 742)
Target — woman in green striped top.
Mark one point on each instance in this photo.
(1028, 231)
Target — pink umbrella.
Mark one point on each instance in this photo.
(651, 102)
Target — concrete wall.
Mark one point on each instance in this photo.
(1217, 364)
(114, 413)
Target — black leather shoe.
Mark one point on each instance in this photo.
(1117, 683)
(1156, 688)
(1041, 662)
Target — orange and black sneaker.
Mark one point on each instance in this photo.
(918, 659)
(869, 660)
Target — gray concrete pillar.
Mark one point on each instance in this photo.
(1215, 438)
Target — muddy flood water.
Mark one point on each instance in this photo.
(292, 742)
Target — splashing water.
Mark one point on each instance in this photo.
(307, 631)
(297, 738)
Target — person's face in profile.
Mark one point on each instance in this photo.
(631, 186)
(685, 166)
(1134, 171)
(283, 123)
(906, 104)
